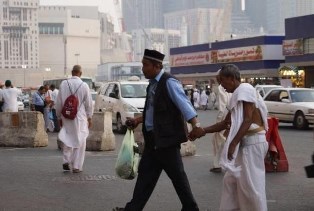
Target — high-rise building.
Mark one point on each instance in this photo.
(19, 34)
(159, 39)
(271, 14)
(142, 14)
(69, 36)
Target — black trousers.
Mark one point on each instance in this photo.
(151, 165)
(39, 108)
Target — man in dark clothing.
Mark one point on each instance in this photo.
(166, 111)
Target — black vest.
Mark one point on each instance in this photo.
(169, 124)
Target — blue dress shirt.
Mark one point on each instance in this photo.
(176, 94)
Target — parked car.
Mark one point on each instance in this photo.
(264, 89)
(20, 104)
(94, 94)
(123, 98)
(291, 105)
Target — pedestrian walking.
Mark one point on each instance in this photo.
(219, 138)
(9, 97)
(38, 100)
(203, 100)
(73, 133)
(54, 95)
(164, 128)
(246, 146)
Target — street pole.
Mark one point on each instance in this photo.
(24, 68)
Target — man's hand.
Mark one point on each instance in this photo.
(131, 123)
(231, 150)
(196, 132)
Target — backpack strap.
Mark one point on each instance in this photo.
(76, 89)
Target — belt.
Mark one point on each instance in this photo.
(256, 130)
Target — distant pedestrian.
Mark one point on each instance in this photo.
(211, 100)
(219, 138)
(203, 100)
(9, 97)
(54, 95)
(38, 100)
(196, 99)
(73, 133)
(1, 100)
(47, 108)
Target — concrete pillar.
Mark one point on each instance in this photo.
(22, 129)
(101, 137)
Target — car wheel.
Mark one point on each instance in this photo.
(120, 128)
(299, 121)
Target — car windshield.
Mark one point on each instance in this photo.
(133, 90)
(302, 95)
(268, 88)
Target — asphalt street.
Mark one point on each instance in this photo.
(32, 178)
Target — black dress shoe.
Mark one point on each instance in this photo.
(66, 167)
(215, 170)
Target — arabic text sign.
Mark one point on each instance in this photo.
(190, 59)
(292, 47)
(251, 53)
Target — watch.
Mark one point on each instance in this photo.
(198, 124)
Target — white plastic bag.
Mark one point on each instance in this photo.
(127, 161)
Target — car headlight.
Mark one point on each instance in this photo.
(311, 111)
(129, 108)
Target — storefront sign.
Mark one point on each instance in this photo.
(292, 47)
(190, 59)
(251, 53)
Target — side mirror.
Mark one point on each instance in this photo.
(285, 100)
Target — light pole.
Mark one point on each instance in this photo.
(24, 68)
(47, 69)
(77, 55)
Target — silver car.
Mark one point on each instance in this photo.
(291, 105)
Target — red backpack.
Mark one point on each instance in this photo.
(70, 106)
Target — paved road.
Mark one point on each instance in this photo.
(32, 178)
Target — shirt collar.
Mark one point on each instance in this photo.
(157, 78)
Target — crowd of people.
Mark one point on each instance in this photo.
(239, 140)
(202, 99)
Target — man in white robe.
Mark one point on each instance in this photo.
(73, 133)
(245, 149)
(9, 97)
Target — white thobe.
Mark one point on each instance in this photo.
(244, 181)
(9, 96)
(47, 109)
(73, 133)
(218, 138)
(203, 99)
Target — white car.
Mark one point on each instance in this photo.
(20, 104)
(291, 105)
(123, 98)
(264, 89)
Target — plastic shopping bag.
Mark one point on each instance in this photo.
(128, 160)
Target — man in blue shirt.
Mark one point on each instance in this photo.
(166, 111)
(38, 100)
